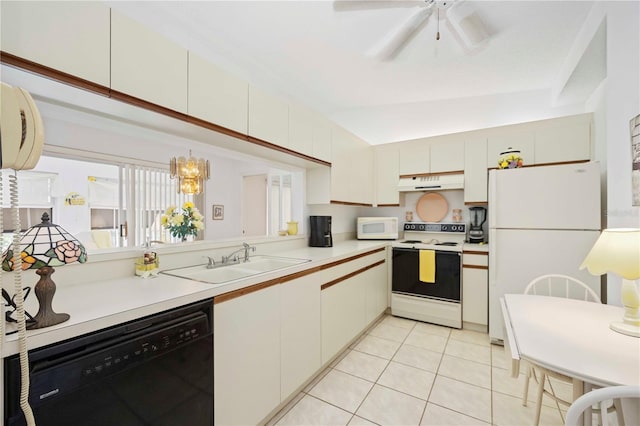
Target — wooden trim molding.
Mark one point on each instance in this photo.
(455, 172)
(53, 74)
(349, 203)
(549, 164)
(387, 205)
(71, 80)
(275, 147)
(350, 259)
(483, 253)
(350, 275)
(473, 203)
(260, 286)
(475, 267)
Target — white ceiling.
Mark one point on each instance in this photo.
(316, 54)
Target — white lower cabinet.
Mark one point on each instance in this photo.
(475, 289)
(269, 341)
(343, 314)
(377, 298)
(247, 357)
(300, 332)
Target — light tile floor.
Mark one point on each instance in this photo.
(404, 372)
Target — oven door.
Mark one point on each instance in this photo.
(406, 269)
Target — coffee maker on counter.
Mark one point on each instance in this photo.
(478, 216)
(320, 231)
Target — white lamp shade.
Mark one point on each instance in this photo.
(617, 251)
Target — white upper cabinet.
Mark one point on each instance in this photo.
(146, 65)
(322, 134)
(72, 37)
(567, 139)
(447, 156)
(475, 171)
(216, 96)
(361, 179)
(351, 168)
(386, 170)
(301, 129)
(414, 157)
(343, 151)
(268, 117)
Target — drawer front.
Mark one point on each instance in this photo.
(475, 260)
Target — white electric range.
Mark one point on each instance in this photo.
(439, 302)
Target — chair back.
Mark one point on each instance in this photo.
(626, 399)
(557, 285)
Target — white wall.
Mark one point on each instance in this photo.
(622, 104)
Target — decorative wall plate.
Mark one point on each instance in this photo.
(432, 207)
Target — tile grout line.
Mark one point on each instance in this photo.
(385, 369)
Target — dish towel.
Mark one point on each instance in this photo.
(428, 266)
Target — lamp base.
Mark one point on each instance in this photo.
(624, 328)
(45, 288)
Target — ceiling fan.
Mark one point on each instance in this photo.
(462, 19)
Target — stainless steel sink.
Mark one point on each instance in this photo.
(225, 273)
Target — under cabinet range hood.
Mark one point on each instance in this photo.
(431, 183)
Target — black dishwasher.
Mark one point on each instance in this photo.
(156, 370)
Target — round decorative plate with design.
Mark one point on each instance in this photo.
(432, 207)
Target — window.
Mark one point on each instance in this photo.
(103, 205)
(279, 202)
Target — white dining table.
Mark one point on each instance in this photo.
(571, 337)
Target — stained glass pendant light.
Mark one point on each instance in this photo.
(42, 247)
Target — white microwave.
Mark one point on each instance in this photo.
(377, 228)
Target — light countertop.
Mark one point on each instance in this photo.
(95, 305)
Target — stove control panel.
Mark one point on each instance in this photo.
(435, 227)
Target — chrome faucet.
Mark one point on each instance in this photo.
(211, 263)
(233, 256)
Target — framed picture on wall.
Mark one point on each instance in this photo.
(218, 212)
(634, 126)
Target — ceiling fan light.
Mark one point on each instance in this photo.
(467, 24)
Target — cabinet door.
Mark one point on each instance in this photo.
(343, 154)
(386, 168)
(447, 156)
(414, 157)
(268, 117)
(322, 134)
(523, 141)
(72, 37)
(570, 141)
(377, 291)
(360, 181)
(475, 295)
(301, 129)
(343, 314)
(300, 332)
(216, 96)
(146, 65)
(475, 171)
(247, 357)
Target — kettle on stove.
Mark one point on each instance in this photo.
(478, 216)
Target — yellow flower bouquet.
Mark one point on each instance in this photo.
(182, 222)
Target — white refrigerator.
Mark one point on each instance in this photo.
(542, 220)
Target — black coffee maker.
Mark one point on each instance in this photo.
(320, 231)
(478, 216)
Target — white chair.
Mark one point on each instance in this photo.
(626, 399)
(554, 285)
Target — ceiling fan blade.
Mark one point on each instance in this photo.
(394, 42)
(349, 5)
